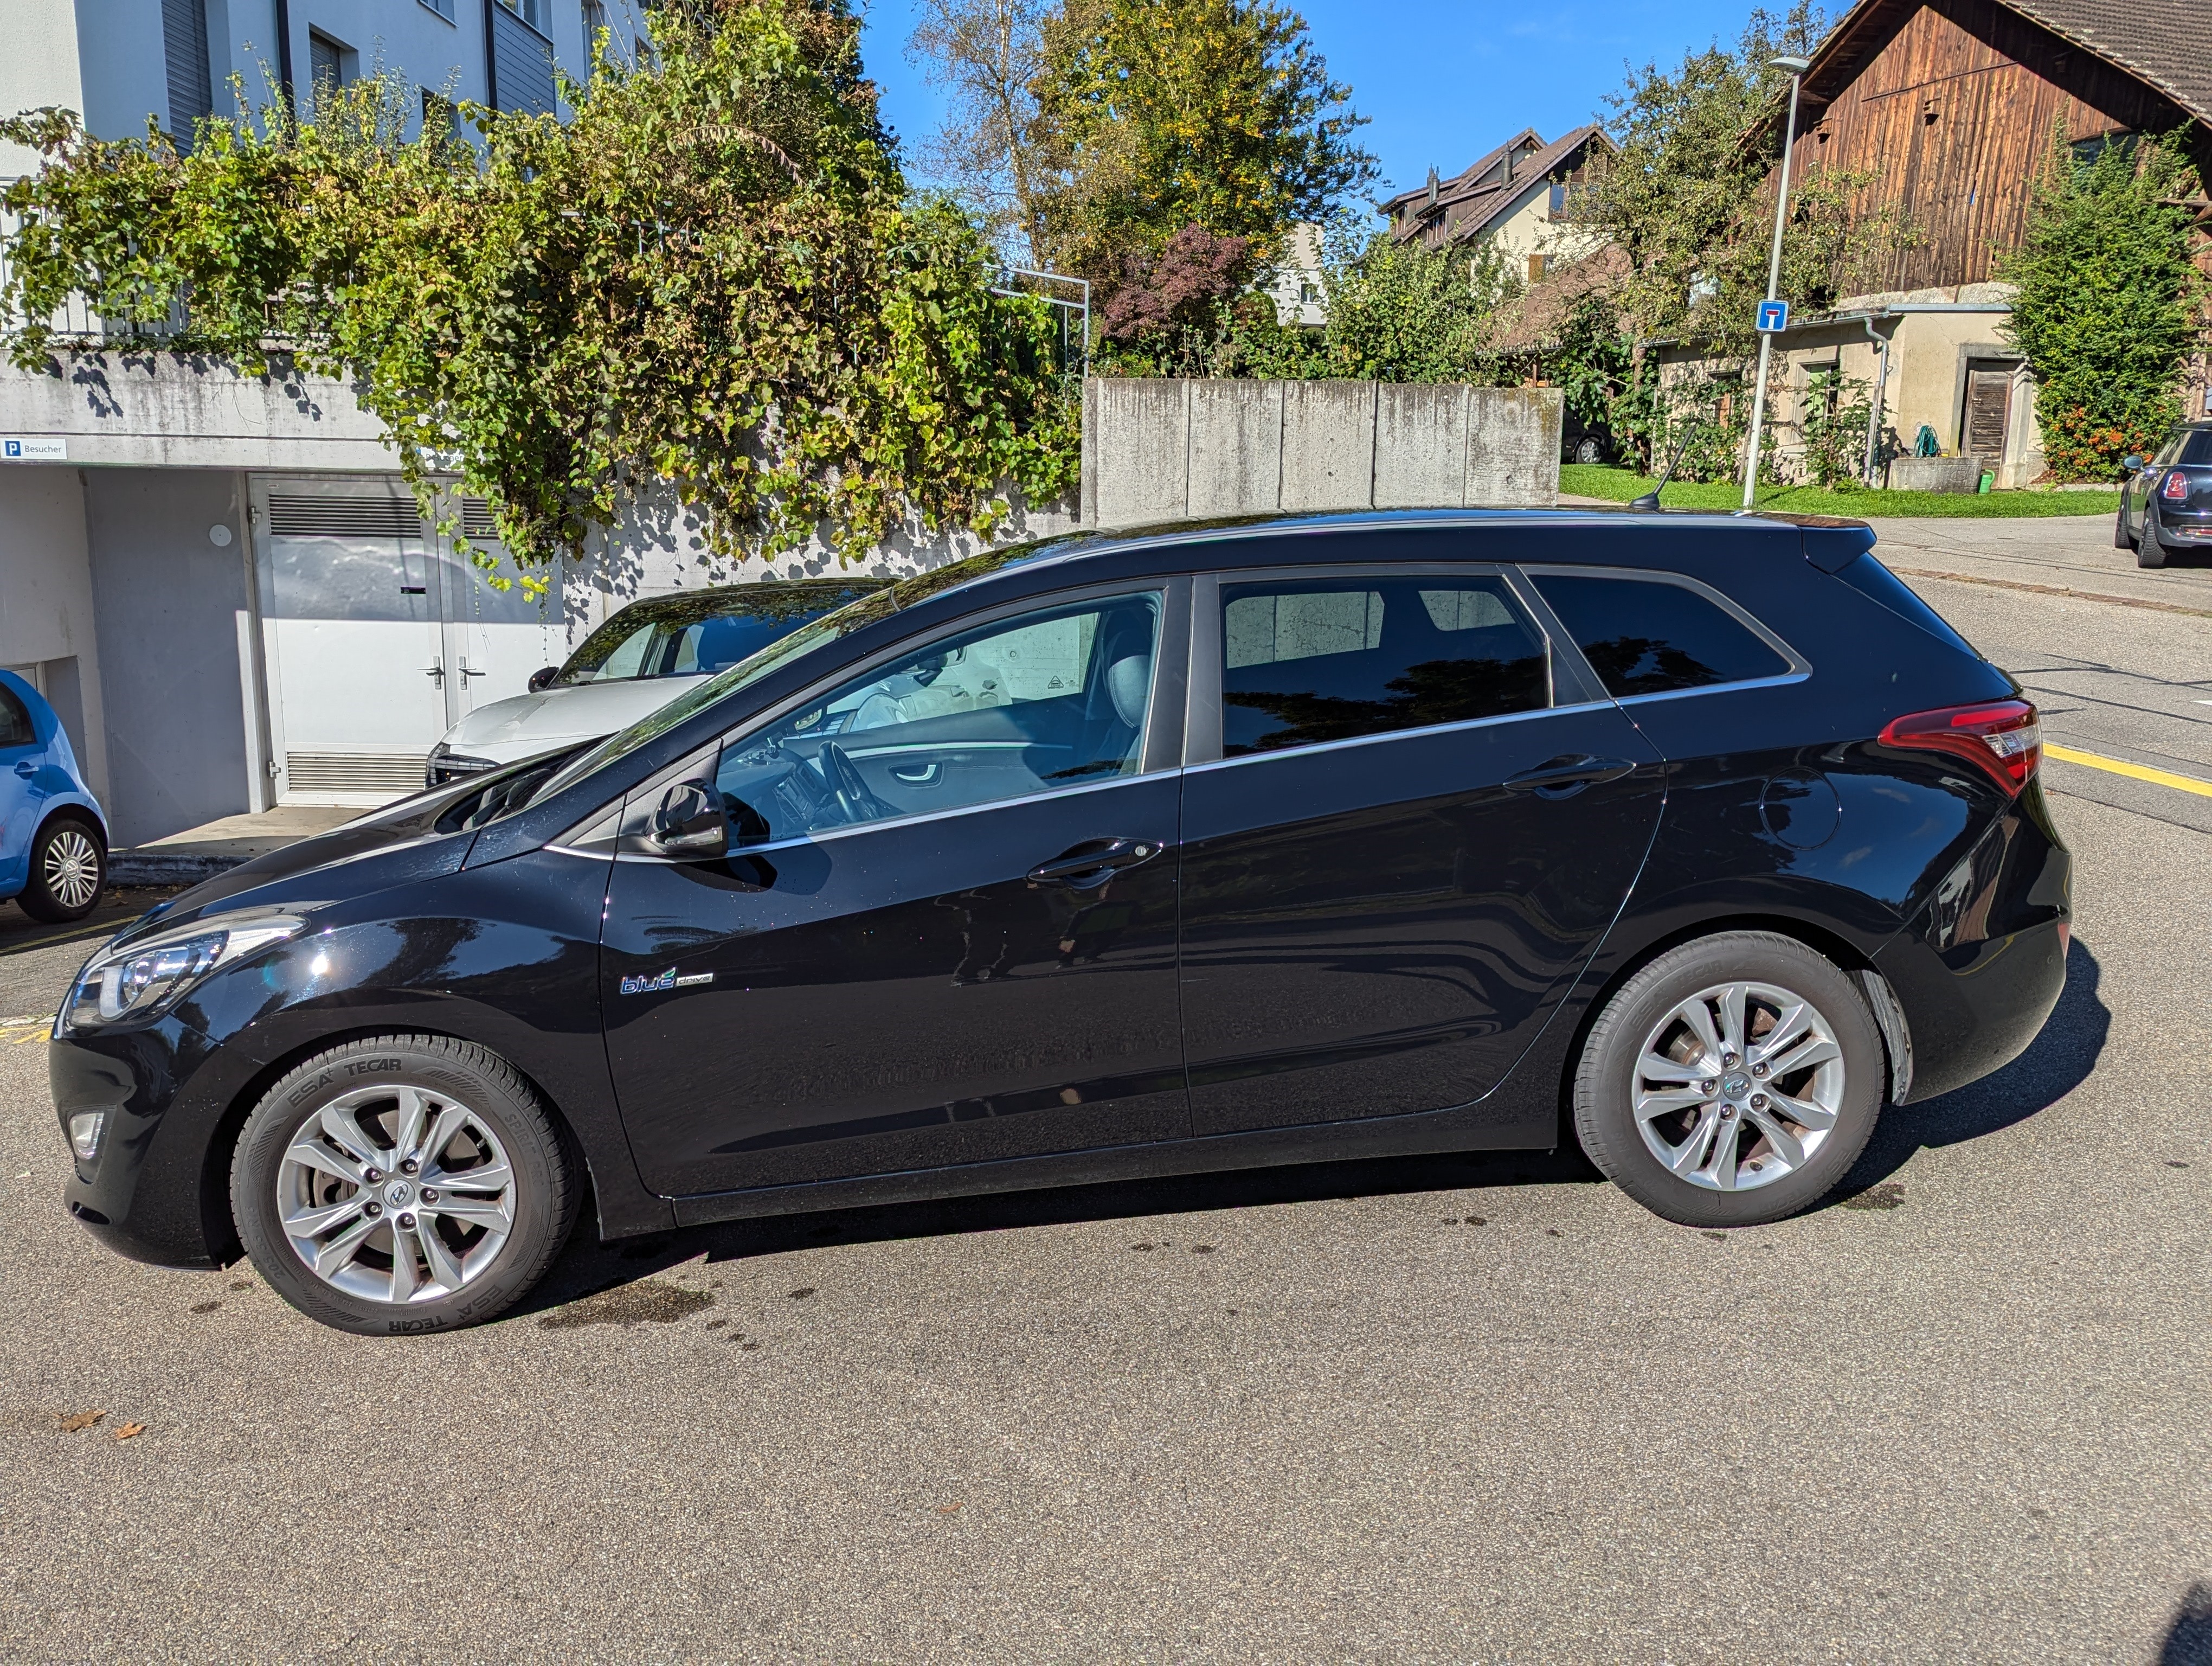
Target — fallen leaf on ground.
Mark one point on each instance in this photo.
(128, 1430)
(949, 1509)
(77, 1421)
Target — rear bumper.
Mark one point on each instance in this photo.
(1981, 968)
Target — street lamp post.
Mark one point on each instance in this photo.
(1796, 66)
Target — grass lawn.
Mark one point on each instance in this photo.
(1620, 485)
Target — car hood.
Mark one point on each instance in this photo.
(535, 722)
(387, 847)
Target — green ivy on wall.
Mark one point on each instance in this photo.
(709, 280)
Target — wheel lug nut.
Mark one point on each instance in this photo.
(1705, 1086)
(1758, 1070)
(372, 1176)
(429, 1194)
(409, 1166)
(1728, 1113)
(374, 1210)
(1759, 1102)
(407, 1221)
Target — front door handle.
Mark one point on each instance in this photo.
(1094, 862)
(1568, 774)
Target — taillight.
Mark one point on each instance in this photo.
(2175, 486)
(2000, 737)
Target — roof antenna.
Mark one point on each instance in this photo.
(1650, 499)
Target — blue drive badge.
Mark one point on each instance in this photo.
(646, 985)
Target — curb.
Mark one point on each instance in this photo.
(161, 867)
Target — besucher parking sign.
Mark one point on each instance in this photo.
(1773, 317)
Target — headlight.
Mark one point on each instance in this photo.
(139, 982)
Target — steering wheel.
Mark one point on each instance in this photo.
(846, 785)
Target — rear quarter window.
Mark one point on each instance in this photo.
(1644, 636)
(15, 728)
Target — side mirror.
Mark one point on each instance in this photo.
(2132, 463)
(540, 679)
(689, 822)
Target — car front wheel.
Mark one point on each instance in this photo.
(1734, 1080)
(402, 1183)
(68, 871)
(2121, 538)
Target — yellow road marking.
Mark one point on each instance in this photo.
(2139, 772)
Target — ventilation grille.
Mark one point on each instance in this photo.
(293, 516)
(395, 773)
(476, 522)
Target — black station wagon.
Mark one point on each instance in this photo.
(1694, 839)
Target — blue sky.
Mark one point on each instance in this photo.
(1440, 82)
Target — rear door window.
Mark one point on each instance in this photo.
(1309, 661)
(1646, 636)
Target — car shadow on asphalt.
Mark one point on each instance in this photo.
(587, 1267)
(2188, 1635)
(2057, 1061)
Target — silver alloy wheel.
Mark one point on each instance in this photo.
(1739, 1085)
(71, 868)
(396, 1193)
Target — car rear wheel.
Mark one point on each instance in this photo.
(68, 871)
(1734, 1080)
(402, 1183)
(2150, 552)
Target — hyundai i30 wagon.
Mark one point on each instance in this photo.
(1693, 839)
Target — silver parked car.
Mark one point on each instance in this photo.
(635, 663)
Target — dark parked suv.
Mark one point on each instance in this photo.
(1694, 839)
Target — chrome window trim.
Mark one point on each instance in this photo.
(1174, 592)
(1400, 734)
(1203, 724)
(825, 834)
(1800, 666)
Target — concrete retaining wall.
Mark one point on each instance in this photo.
(1166, 449)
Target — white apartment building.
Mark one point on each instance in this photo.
(220, 582)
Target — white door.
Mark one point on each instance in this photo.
(495, 637)
(351, 621)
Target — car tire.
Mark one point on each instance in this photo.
(68, 871)
(2149, 551)
(2120, 538)
(322, 1169)
(1709, 1143)
(1588, 451)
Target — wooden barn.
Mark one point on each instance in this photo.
(1952, 105)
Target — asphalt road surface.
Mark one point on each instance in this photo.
(1466, 1409)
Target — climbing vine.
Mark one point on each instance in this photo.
(708, 281)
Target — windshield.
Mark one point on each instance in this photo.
(699, 634)
(830, 627)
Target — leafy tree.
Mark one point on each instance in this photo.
(1685, 199)
(1153, 115)
(1406, 313)
(2106, 310)
(708, 281)
(985, 55)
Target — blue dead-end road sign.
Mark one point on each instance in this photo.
(1773, 317)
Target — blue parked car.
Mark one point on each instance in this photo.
(53, 837)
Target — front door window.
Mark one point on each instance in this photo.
(1042, 702)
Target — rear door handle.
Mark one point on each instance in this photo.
(1566, 774)
(1094, 862)
(25, 767)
